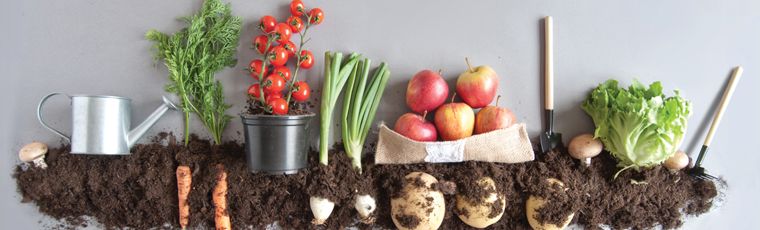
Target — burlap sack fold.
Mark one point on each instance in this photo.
(510, 145)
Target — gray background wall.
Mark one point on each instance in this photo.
(97, 47)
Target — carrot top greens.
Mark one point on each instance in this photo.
(193, 55)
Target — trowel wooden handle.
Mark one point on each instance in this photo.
(727, 93)
(548, 63)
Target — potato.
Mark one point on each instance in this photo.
(419, 207)
(534, 203)
(477, 213)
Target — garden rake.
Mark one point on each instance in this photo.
(697, 170)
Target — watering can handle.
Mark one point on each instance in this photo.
(39, 115)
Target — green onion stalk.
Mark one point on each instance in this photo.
(359, 109)
(360, 106)
(336, 75)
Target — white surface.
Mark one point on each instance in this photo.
(97, 47)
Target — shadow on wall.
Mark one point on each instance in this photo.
(700, 130)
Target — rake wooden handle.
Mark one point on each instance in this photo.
(548, 63)
(727, 93)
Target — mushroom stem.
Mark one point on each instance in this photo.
(40, 162)
(587, 161)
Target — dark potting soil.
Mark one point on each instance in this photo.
(140, 191)
(254, 107)
(408, 221)
(131, 191)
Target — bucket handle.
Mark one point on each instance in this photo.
(39, 115)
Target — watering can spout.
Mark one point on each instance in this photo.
(141, 129)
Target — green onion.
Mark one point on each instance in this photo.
(336, 74)
(360, 106)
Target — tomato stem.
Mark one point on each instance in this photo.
(298, 57)
(263, 70)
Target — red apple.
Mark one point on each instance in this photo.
(492, 118)
(415, 127)
(426, 91)
(454, 121)
(477, 86)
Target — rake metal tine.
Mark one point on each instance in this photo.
(711, 177)
(705, 176)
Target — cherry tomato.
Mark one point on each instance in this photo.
(278, 56)
(306, 60)
(302, 91)
(295, 24)
(260, 43)
(274, 84)
(317, 16)
(254, 90)
(282, 32)
(256, 68)
(279, 106)
(290, 47)
(267, 23)
(283, 72)
(296, 8)
(271, 96)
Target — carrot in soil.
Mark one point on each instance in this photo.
(221, 216)
(184, 179)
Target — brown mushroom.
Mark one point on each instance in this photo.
(34, 152)
(583, 147)
(678, 161)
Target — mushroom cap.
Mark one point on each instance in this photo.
(678, 161)
(32, 151)
(584, 146)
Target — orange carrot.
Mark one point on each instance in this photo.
(221, 214)
(184, 179)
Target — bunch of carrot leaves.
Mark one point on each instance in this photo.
(193, 55)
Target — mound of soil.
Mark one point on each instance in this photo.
(139, 191)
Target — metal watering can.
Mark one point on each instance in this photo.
(101, 124)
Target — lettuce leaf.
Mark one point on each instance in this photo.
(639, 126)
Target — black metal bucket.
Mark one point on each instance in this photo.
(276, 144)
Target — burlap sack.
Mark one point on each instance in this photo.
(510, 145)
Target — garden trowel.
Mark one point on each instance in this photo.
(549, 139)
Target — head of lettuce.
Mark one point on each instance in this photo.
(639, 126)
